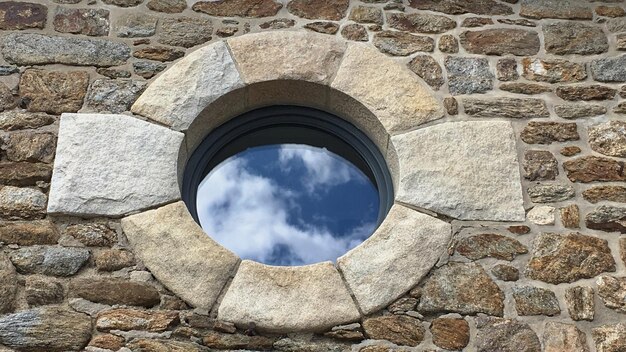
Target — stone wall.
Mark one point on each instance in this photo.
(555, 282)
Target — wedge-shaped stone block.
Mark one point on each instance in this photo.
(466, 170)
(113, 165)
(194, 266)
(281, 298)
(287, 56)
(387, 88)
(395, 258)
(183, 91)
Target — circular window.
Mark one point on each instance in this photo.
(287, 185)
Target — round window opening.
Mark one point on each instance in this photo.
(287, 185)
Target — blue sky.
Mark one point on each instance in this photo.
(287, 205)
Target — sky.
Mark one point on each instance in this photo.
(287, 205)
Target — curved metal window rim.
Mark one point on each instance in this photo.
(285, 124)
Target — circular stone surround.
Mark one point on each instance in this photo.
(475, 178)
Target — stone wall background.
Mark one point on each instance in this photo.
(556, 282)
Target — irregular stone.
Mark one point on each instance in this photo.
(615, 25)
(399, 329)
(297, 290)
(113, 259)
(553, 70)
(29, 146)
(609, 138)
(7, 101)
(541, 215)
(135, 319)
(580, 303)
(177, 108)
(428, 69)
(473, 22)
(564, 38)
(505, 272)
(88, 181)
(540, 165)
(518, 22)
(501, 41)
(28, 233)
(229, 31)
(148, 69)
(115, 291)
(41, 290)
(324, 27)
(87, 307)
(570, 150)
(238, 8)
(607, 218)
(167, 6)
(610, 11)
(525, 88)
(332, 10)
(458, 7)
(22, 203)
(107, 342)
(347, 334)
(448, 44)
(238, 341)
(620, 108)
(366, 14)
(506, 69)
(451, 105)
(402, 232)
(134, 25)
(450, 333)
(620, 42)
(22, 15)
(164, 345)
(519, 229)
(610, 338)
(25, 49)
(159, 53)
(609, 69)
(535, 301)
(113, 73)
(53, 92)
(592, 168)
(570, 216)
(567, 10)
(402, 305)
(605, 193)
(51, 329)
(559, 337)
(54, 261)
(113, 96)
(547, 132)
(505, 335)
(401, 43)
(463, 288)
(123, 3)
(94, 22)
(355, 32)
(20, 120)
(515, 108)
(92, 235)
(566, 258)
(468, 75)
(24, 173)
(490, 245)
(578, 110)
(279, 23)
(420, 22)
(6, 70)
(185, 31)
(8, 284)
(591, 92)
(612, 290)
(550, 193)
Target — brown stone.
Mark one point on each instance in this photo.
(609, 138)
(402, 44)
(570, 150)
(366, 14)
(24, 173)
(20, 120)
(580, 303)
(564, 9)
(237, 341)
(519, 229)
(325, 27)
(135, 319)
(537, 132)
(610, 11)
(564, 38)
(92, 235)
(501, 41)
(167, 6)
(570, 216)
(53, 92)
(333, 10)
(578, 110)
(403, 305)
(346, 334)
(29, 146)
(93, 22)
(620, 108)
(115, 291)
(605, 193)
(399, 329)
(505, 272)
(451, 105)
(159, 53)
(22, 15)
(591, 92)
(41, 290)
(458, 7)
(507, 69)
(279, 23)
(610, 338)
(449, 333)
(566, 258)
(145, 345)
(535, 301)
(420, 22)
(518, 22)
(123, 3)
(593, 168)
(490, 245)
(185, 31)
(505, 335)
(8, 284)
(28, 233)
(525, 88)
(559, 337)
(7, 101)
(107, 341)
(612, 290)
(515, 108)
(622, 249)
(448, 44)
(355, 32)
(113, 259)
(113, 73)
(540, 165)
(607, 218)
(172, 303)
(428, 69)
(22, 203)
(553, 70)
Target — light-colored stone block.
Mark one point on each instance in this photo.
(387, 88)
(285, 55)
(395, 258)
(281, 298)
(193, 266)
(466, 170)
(113, 165)
(177, 96)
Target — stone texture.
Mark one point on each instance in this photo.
(113, 96)
(570, 150)
(42, 290)
(88, 181)
(515, 108)
(570, 216)
(501, 41)
(559, 337)
(326, 27)
(113, 259)
(107, 341)
(605, 193)
(612, 290)
(607, 218)
(519, 229)
(28, 233)
(7, 101)
(450, 333)
(541, 215)
(537, 132)
(428, 69)
(114, 291)
(592, 168)
(93, 22)
(434, 170)
(366, 14)
(238, 8)
(609, 69)
(540, 165)
(355, 32)
(535, 301)
(401, 43)
(287, 298)
(22, 15)
(24, 173)
(113, 73)
(610, 11)
(578, 110)
(279, 23)
(505, 335)
(560, 258)
(463, 288)
(505, 272)
(134, 319)
(567, 10)
(591, 92)
(451, 105)
(92, 235)
(403, 232)
(185, 31)
(51, 329)
(553, 70)
(525, 88)
(490, 245)
(165, 345)
(564, 38)
(229, 341)
(21, 120)
(457, 7)
(123, 3)
(610, 338)
(29, 146)
(448, 44)
(22, 203)
(332, 10)
(135, 25)
(405, 103)
(609, 138)
(403, 305)
(159, 53)
(580, 303)
(192, 255)
(468, 75)
(8, 284)
(550, 193)
(167, 6)
(216, 76)
(399, 329)
(420, 22)
(25, 49)
(506, 69)
(473, 22)
(54, 92)
(54, 261)
(148, 69)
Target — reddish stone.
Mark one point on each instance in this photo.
(333, 10)
(94, 22)
(592, 168)
(450, 334)
(22, 15)
(159, 53)
(54, 92)
(501, 41)
(547, 132)
(592, 92)
(323, 27)
(458, 7)
(238, 8)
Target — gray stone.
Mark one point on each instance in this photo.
(113, 72)
(20, 120)
(134, 25)
(540, 165)
(185, 31)
(515, 108)
(563, 9)
(490, 245)
(22, 203)
(468, 75)
(94, 22)
(8, 284)
(505, 335)
(25, 49)
(610, 338)
(563, 38)
(457, 7)
(578, 110)
(167, 6)
(420, 22)
(558, 337)
(113, 96)
(147, 69)
(476, 186)
(54, 261)
(82, 305)
(333, 10)
(535, 301)
(541, 215)
(607, 218)
(611, 69)
(609, 138)
(403, 231)
(612, 290)
(366, 14)
(96, 235)
(550, 193)
(113, 165)
(580, 303)
(402, 43)
(539, 132)
(246, 8)
(195, 267)
(6, 70)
